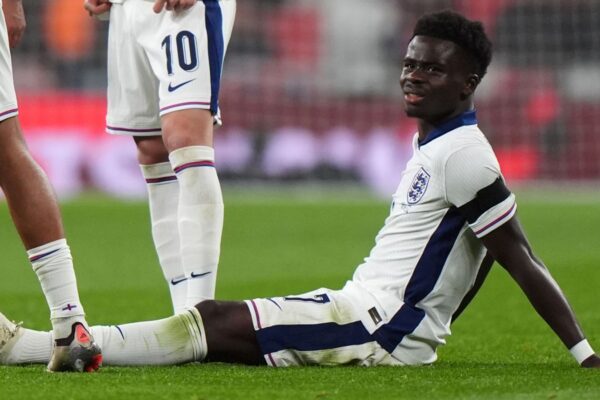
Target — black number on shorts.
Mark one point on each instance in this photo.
(187, 51)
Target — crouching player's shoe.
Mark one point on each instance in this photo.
(76, 352)
(9, 335)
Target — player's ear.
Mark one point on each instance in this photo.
(471, 84)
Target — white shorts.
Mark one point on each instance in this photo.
(8, 98)
(322, 327)
(159, 63)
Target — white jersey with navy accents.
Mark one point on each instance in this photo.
(428, 254)
(398, 307)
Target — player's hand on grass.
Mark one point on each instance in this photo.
(15, 20)
(97, 7)
(591, 362)
(172, 5)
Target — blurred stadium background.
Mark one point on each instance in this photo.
(310, 93)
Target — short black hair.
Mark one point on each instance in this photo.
(467, 34)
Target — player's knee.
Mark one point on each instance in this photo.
(12, 143)
(151, 150)
(187, 128)
(230, 335)
(209, 309)
(224, 317)
(16, 161)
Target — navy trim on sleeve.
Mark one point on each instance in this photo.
(485, 199)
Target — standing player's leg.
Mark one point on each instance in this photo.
(163, 200)
(37, 218)
(133, 111)
(164, 60)
(188, 137)
(188, 65)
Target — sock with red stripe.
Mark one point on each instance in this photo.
(163, 199)
(200, 219)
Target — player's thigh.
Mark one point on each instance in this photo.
(132, 93)
(13, 151)
(186, 51)
(322, 327)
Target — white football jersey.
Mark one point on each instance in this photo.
(427, 254)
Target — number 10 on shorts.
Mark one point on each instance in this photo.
(186, 48)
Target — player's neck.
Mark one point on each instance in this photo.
(425, 127)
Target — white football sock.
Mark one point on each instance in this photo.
(163, 199)
(53, 264)
(200, 216)
(27, 347)
(174, 340)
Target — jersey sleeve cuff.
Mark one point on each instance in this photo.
(495, 217)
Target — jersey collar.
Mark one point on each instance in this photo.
(467, 118)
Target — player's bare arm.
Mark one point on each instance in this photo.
(510, 247)
(96, 7)
(15, 21)
(172, 5)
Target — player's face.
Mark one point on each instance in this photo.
(434, 79)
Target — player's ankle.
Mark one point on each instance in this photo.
(62, 327)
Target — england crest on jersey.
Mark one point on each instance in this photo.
(418, 187)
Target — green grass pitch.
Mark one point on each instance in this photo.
(500, 349)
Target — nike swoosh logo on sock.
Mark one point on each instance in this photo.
(178, 281)
(200, 275)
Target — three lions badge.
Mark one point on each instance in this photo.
(418, 187)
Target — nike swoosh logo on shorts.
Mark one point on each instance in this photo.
(200, 275)
(172, 88)
(177, 281)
